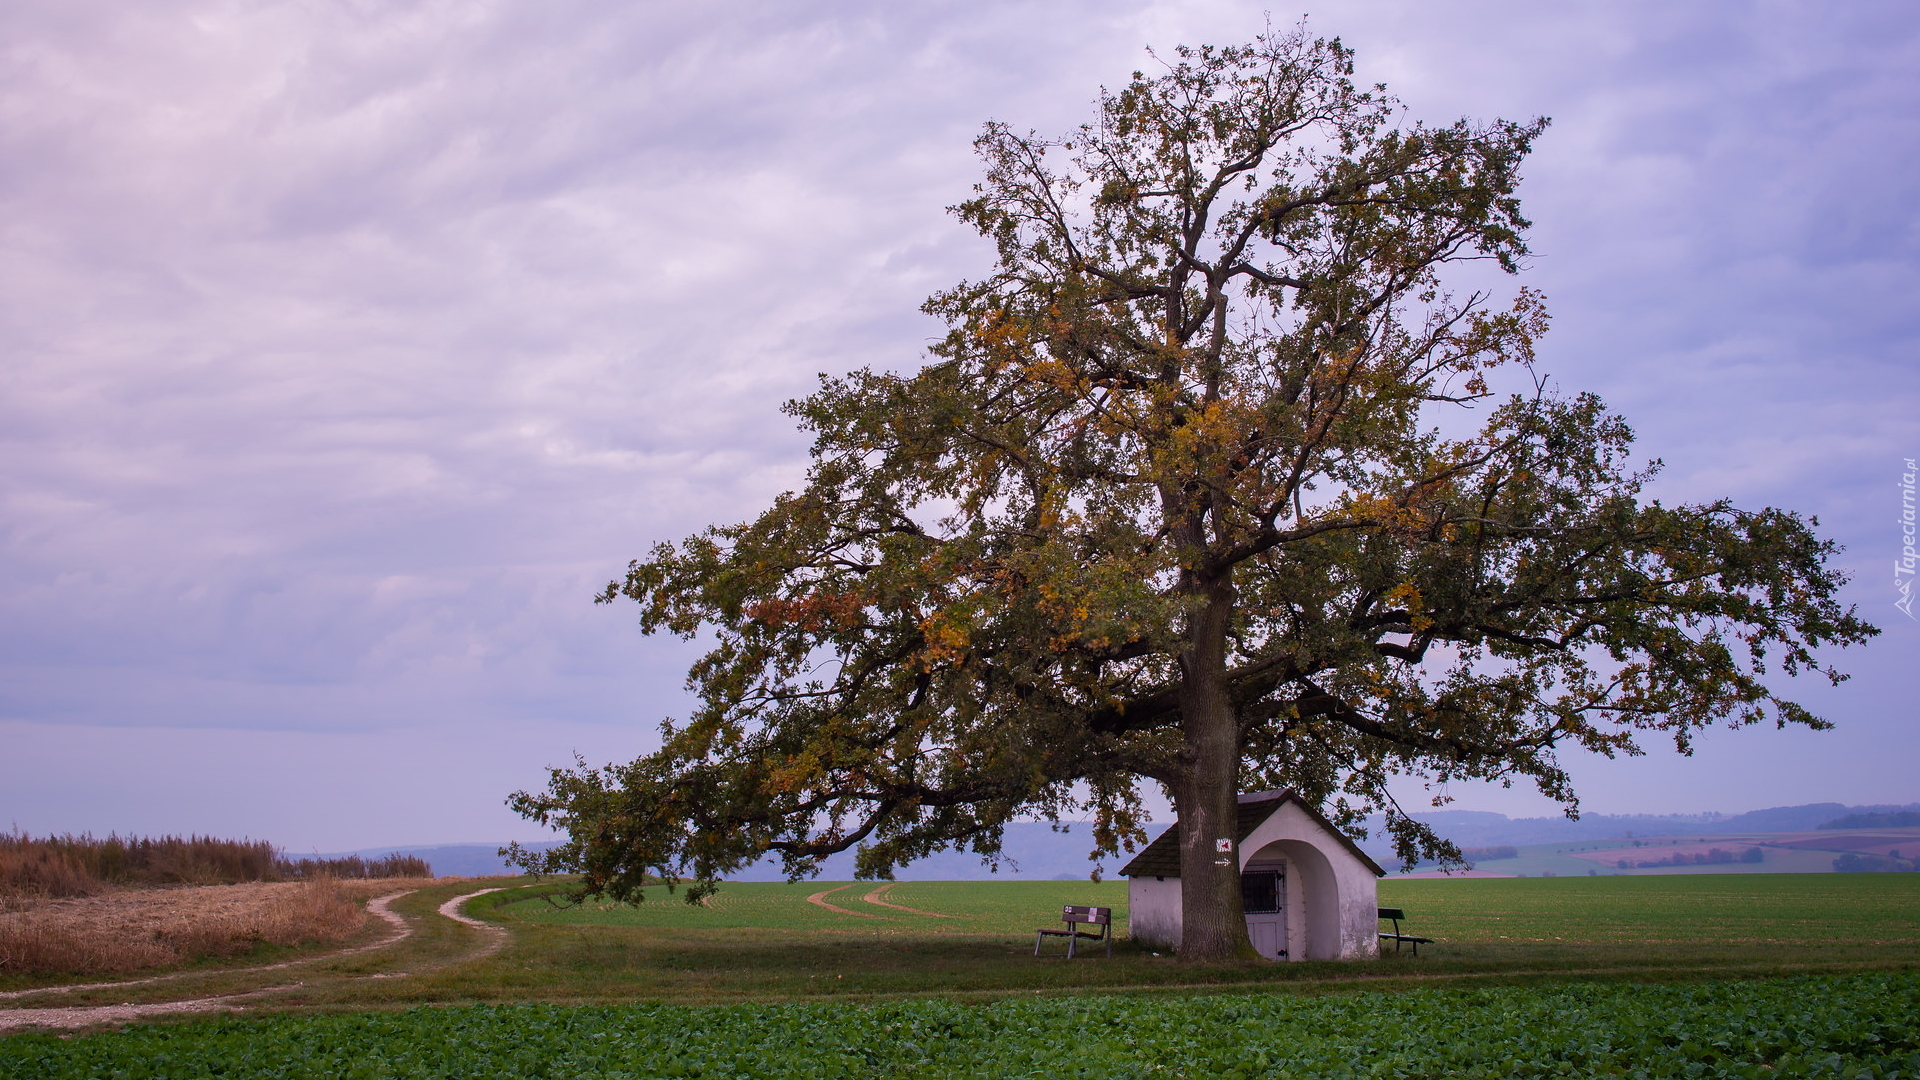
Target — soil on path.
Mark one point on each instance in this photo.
(495, 936)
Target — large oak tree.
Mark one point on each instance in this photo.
(1211, 483)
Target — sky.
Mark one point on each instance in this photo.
(348, 348)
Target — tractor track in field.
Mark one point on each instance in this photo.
(494, 938)
(874, 897)
(820, 899)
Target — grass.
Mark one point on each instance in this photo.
(765, 941)
(761, 942)
(1667, 925)
(969, 907)
(1744, 911)
(1746, 976)
(81, 865)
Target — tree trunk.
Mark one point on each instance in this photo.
(1213, 926)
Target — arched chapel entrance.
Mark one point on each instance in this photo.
(1292, 902)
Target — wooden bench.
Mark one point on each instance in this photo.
(1076, 917)
(1394, 915)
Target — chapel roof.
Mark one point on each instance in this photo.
(1162, 857)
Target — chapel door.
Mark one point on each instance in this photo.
(1263, 896)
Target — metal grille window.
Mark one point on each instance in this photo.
(1260, 891)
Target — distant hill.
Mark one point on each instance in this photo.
(1480, 829)
(1035, 850)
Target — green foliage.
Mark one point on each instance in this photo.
(1852, 1026)
(1173, 503)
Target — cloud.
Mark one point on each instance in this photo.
(349, 348)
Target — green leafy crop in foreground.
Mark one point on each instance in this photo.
(1851, 1026)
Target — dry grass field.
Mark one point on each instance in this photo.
(124, 930)
(83, 905)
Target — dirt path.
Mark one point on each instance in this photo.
(495, 939)
(496, 936)
(820, 898)
(91, 1015)
(874, 898)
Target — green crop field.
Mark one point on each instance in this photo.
(1756, 911)
(941, 907)
(1845, 1026)
(767, 939)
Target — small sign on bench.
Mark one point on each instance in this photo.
(1075, 918)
